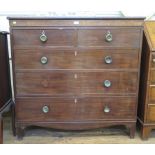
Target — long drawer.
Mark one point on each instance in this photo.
(76, 59)
(75, 82)
(75, 109)
(127, 37)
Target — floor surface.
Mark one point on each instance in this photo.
(35, 135)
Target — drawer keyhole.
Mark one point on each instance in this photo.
(75, 100)
(75, 76)
(75, 53)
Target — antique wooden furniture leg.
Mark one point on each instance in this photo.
(132, 129)
(145, 132)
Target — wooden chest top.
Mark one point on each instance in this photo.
(80, 21)
(149, 29)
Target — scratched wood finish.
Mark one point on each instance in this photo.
(71, 83)
(76, 59)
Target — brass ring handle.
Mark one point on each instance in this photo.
(108, 36)
(45, 109)
(108, 59)
(43, 37)
(44, 60)
(106, 109)
(107, 83)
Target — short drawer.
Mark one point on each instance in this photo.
(25, 38)
(151, 113)
(151, 94)
(110, 37)
(75, 109)
(152, 60)
(152, 76)
(76, 59)
(75, 82)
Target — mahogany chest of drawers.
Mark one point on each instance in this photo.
(146, 112)
(76, 74)
(5, 86)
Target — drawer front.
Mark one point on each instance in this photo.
(152, 59)
(121, 37)
(44, 109)
(106, 108)
(152, 76)
(80, 59)
(60, 83)
(75, 109)
(151, 113)
(152, 94)
(55, 37)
